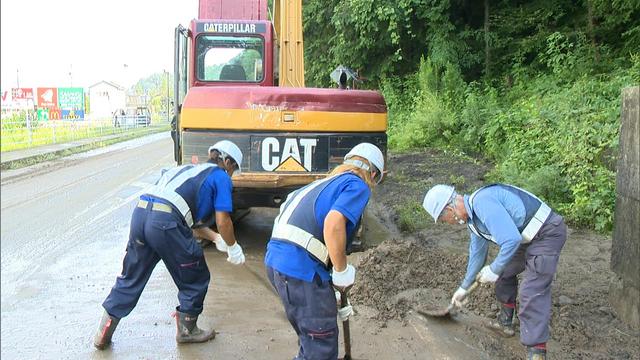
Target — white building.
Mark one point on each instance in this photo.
(104, 98)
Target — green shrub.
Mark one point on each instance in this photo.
(411, 216)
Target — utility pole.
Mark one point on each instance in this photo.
(70, 75)
(168, 117)
(17, 78)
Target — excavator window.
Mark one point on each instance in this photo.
(230, 58)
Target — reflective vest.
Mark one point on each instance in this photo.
(297, 223)
(536, 213)
(180, 186)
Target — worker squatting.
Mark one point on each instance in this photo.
(306, 259)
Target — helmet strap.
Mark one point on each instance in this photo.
(357, 163)
(364, 166)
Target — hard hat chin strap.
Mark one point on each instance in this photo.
(357, 163)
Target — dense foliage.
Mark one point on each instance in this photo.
(532, 85)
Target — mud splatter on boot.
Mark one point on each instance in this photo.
(503, 325)
(188, 331)
(107, 326)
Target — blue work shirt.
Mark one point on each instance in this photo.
(214, 194)
(348, 195)
(502, 212)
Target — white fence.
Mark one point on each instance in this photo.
(21, 130)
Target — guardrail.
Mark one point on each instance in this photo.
(20, 131)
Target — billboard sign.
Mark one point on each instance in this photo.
(47, 98)
(70, 98)
(22, 98)
(6, 99)
(22, 93)
(71, 114)
(43, 114)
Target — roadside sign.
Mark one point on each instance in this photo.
(70, 98)
(22, 98)
(71, 103)
(47, 98)
(22, 93)
(43, 114)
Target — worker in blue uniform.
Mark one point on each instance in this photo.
(164, 224)
(530, 236)
(306, 255)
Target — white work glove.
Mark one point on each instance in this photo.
(458, 297)
(236, 256)
(343, 312)
(345, 278)
(220, 244)
(487, 276)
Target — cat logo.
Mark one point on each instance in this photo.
(288, 157)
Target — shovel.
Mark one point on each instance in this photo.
(445, 312)
(345, 326)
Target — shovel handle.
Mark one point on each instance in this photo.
(473, 286)
(345, 326)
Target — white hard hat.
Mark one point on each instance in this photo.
(436, 199)
(371, 153)
(227, 148)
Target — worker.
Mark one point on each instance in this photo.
(207, 233)
(164, 225)
(530, 236)
(306, 255)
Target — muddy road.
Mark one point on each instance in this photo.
(64, 232)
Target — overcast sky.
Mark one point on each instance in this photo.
(45, 40)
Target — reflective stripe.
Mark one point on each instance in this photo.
(294, 199)
(303, 239)
(536, 222)
(166, 186)
(155, 206)
(283, 230)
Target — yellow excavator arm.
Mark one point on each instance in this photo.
(287, 20)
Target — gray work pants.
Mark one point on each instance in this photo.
(539, 261)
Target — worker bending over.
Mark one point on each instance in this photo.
(163, 227)
(306, 256)
(530, 236)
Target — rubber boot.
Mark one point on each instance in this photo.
(105, 331)
(536, 354)
(503, 325)
(189, 332)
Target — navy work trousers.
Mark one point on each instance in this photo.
(539, 261)
(156, 235)
(312, 311)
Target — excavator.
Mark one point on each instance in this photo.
(239, 75)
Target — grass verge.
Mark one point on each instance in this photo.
(20, 163)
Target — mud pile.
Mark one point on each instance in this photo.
(401, 275)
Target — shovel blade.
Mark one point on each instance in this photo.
(437, 312)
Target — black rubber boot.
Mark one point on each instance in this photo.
(503, 325)
(536, 354)
(189, 332)
(105, 331)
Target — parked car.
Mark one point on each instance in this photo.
(132, 117)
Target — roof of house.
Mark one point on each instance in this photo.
(112, 84)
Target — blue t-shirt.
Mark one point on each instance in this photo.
(214, 194)
(347, 194)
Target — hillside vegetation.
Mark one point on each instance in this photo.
(533, 86)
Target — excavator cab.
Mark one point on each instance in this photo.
(225, 58)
